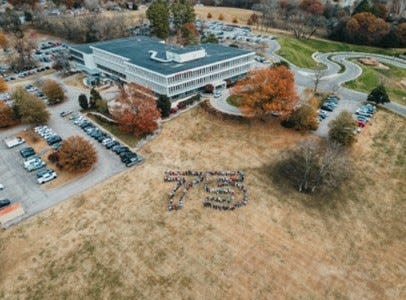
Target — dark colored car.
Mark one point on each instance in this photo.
(327, 107)
(4, 203)
(27, 152)
(132, 161)
(103, 137)
(122, 149)
(127, 154)
(111, 144)
(54, 139)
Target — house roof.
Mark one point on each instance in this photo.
(136, 50)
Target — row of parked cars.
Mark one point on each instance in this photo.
(128, 157)
(51, 137)
(33, 162)
(364, 113)
(36, 91)
(328, 105)
(27, 72)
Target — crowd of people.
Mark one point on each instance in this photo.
(224, 197)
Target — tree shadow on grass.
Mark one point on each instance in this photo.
(325, 203)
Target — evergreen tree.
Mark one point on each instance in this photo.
(378, 95)
(183, 13)
(164, 105)
(83, 101)
(94, 97)
(158, 16)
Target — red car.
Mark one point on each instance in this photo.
(361, 124)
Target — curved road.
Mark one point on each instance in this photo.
(330, 79)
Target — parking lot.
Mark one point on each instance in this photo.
(21, 186)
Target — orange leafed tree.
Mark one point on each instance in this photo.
(3, 41)
(6, 115)
(266, 90)
(136, 110)
(3, 85)
(77, 154)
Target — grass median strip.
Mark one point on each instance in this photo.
(390, 78)
(129, 139)
(300, 52)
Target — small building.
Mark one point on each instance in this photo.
(165, 69)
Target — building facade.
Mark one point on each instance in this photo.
(164, 69)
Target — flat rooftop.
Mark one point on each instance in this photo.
(136, 49)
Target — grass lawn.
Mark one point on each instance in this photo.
(118, 241)
(234, 100)
(371, 77)
(129, 139)
(299, 52)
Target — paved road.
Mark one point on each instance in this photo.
(21, 185)
(331, 79)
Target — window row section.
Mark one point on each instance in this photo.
(209, 69)
(208, 79)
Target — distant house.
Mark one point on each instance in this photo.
(165, 69)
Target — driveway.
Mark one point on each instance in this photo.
(20, 186)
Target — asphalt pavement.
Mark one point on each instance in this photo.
(21, 186)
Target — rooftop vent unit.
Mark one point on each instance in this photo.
(181, 55)
(153, 56)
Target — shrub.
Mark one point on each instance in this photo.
(53, 157)
(28, 108)
(53, 91)
(77, 154)
(189, 101)
(221, 17)
(342, 129)
(303, 118)
(235, 20)
(209, 88)
(209, 15)
(102, 106)
(94, 96)
(6, 115)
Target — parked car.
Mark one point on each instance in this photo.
(38, 164)
(54, 139)
(31, 159)
(46, 177)
(132, 161)
(111, 144)
(14, 141)
(4, 202)
(1, 187)
(27, 152)
(217, 94)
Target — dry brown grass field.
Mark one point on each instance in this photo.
(229, 13)
(118, 241)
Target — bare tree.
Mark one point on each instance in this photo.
(92, 4)
(315, 166)
(318, 75)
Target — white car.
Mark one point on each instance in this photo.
(47, 177)
(29, 160)
(35, 165)
(1, 187)
(217, 94)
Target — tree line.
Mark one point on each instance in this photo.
(368, 23)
